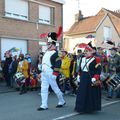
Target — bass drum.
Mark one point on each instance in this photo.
(19, 77)
(114, 81)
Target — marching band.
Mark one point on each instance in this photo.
(85, 75)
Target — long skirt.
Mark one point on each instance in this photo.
(88, 98)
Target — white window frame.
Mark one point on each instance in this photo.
(17, 9)
(107, 33)
(46, 14)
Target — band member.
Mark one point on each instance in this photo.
(23, 67)
(89, 92)
(113, 68)
(51, 64)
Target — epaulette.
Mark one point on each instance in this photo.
(98, 62)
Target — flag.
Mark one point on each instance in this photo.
(59, 32)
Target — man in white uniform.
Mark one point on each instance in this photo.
(51, 64)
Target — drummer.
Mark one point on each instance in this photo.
(113, 67)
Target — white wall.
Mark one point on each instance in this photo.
(7, 44)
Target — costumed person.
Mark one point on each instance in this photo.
(88, 98)
(113, 68)
(51, 64)
(65, 70)
(79, 57)
(29, 60)
(23, 67)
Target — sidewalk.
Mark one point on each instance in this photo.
(4, 88)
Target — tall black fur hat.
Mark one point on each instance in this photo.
(52, 38)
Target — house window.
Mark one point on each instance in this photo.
(16, 9)
(46, 15)
(107, 33)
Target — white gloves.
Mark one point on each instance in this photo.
(93, 80)
(78, 78)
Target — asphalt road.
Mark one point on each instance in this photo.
(24, 107)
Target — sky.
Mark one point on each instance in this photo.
(88, 8)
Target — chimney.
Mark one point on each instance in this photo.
(78, 16)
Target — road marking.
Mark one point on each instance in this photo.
(110, 103)
(66, 116)
(73, 114)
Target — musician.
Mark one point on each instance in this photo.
(88, 98)
(113, 67)
(51, 64)
(23, 67)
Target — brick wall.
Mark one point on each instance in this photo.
(29, 30)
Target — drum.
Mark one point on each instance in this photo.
(103, 76)
(114, 81)
(19, 77)
(61, 79)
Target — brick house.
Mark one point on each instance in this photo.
(104, 26)
(22, 21)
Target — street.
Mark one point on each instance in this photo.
(24, 107)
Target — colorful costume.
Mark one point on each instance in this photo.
(51, 64)
(89, 97)
(23, 67)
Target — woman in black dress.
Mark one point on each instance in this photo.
(88, 98)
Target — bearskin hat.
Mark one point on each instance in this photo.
(52, 38)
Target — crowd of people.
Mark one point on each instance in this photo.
(18, 72)
(83, 74)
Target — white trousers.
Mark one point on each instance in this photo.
(47, 78)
